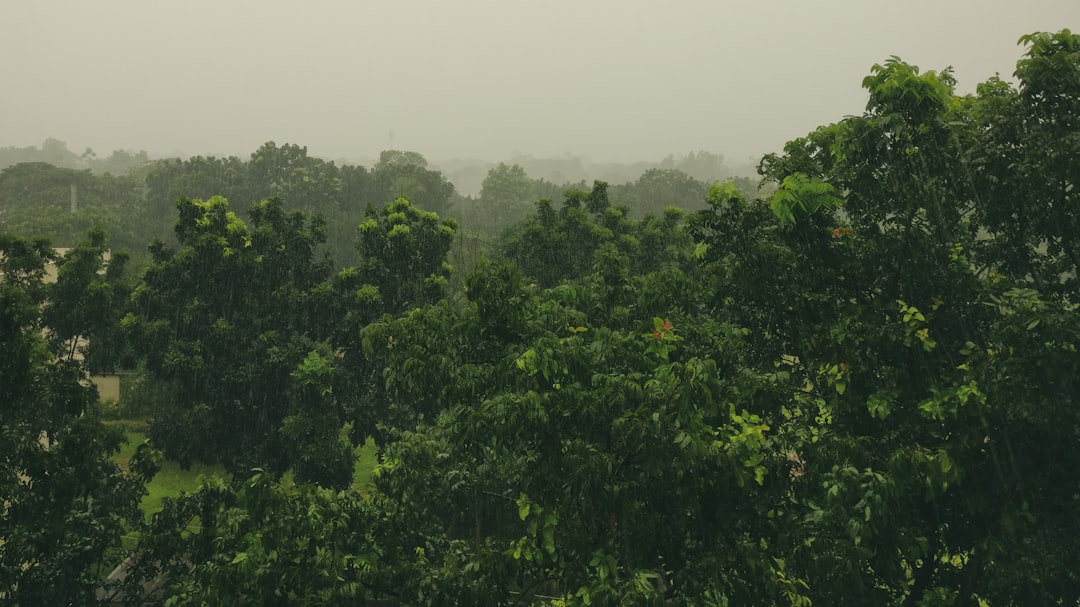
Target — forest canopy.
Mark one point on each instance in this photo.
(851, 384)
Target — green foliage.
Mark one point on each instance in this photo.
(403, 254)
(401, 174)
(558, 467)
(63, 502)
(507, 195)
(52, 151)
(845, 394)
(899, 93)
(657, 189)
(64, 203)
(1048, 75)
(227, 320)
(589, 235)
(804, 194)
(316, 186)
(912, 311)
(86, 303)
(258, 543)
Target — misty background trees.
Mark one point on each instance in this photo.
(852, 384)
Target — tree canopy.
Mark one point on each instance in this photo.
(853, 385)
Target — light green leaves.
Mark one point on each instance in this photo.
(700, 250)
(541, 531)
(915, 326)
(879, 404)
(800, 194)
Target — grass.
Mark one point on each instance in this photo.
(366, 460)
(172, 480)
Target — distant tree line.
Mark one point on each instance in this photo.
(55, 193)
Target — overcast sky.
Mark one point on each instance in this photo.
(615, 80)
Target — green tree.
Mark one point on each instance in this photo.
(64, 503)
(857, 392)
(234, 320)
(259, 542)
(403, 254)
(406, 175)
(39, 199)
(403, 267)
(587, 234)
(56, 153)
(506, 196)
(121, 162)
(198, 177)
(285, 172)
(86, 303)
(700, 165)
(398, 158)
(657, 189)
(289, 174)
(915, 317)
(556, 451)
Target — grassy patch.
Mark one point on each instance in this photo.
(366, 460)
(172, 480)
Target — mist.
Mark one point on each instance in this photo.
(611, 81)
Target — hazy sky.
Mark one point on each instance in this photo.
(615, 80)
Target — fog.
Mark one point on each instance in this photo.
(612, 80)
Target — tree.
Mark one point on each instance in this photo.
(588, 233)
(857, 392)
(285, 172)
(39, 199)
(405, 175)
(259, 542)
(700, 165)
(64, 502)
(37, 190)
(915, 316)
(403, 254)
(86, 303)
(562, 448)
(399, 158)
(289, 174)
(56, 153)
(506, 195)
(660, 188)
(234, 320)
(120, 162)
(198, 177)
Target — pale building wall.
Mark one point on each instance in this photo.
(50, 268)
(108, 387)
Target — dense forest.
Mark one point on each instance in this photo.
(852, 383)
